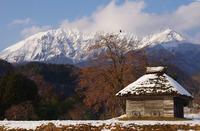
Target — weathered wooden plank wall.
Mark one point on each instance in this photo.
(134, 108)
(156, 108)
(168, 107)
(153, 108)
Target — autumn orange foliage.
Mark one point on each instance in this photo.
(109, 72)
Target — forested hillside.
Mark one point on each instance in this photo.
(60, 91)
(55, 97)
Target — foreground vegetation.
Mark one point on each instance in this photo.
(116, 127)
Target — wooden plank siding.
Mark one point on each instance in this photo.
(146, 108)
(168, 107)
(153, 108)
(134, 108)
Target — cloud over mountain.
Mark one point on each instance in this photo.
(26, 32)
(21, 22)
(130, 16)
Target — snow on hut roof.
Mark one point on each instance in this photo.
(155, 69)
(154, 84)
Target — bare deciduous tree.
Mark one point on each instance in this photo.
(115, 66)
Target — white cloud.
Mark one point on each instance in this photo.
(109, 18)
(130, 16)
(26, 21)
(33, 30)
(187, 17)
(81, 24)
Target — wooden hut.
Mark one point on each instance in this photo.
(155, 94)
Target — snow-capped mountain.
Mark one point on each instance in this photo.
(51, 44)
(57, 46)
(72, 46)
(170, 45)
(167, 39)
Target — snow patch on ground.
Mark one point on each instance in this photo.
(193, 116)
(112, 122)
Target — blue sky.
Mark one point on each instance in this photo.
(23, 18)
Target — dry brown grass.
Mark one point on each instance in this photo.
(116, 127)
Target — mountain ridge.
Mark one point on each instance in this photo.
(168, 38)
(71, 46)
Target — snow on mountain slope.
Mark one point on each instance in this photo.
(167, 38)
(45, 45)
(71, 46)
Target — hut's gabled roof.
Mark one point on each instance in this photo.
(154, 84)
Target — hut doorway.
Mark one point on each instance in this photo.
(178, 107)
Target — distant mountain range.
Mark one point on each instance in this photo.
(71, 47)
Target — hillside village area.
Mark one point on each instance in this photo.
(120, 65)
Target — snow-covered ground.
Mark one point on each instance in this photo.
(112, 122)
(193, 116)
